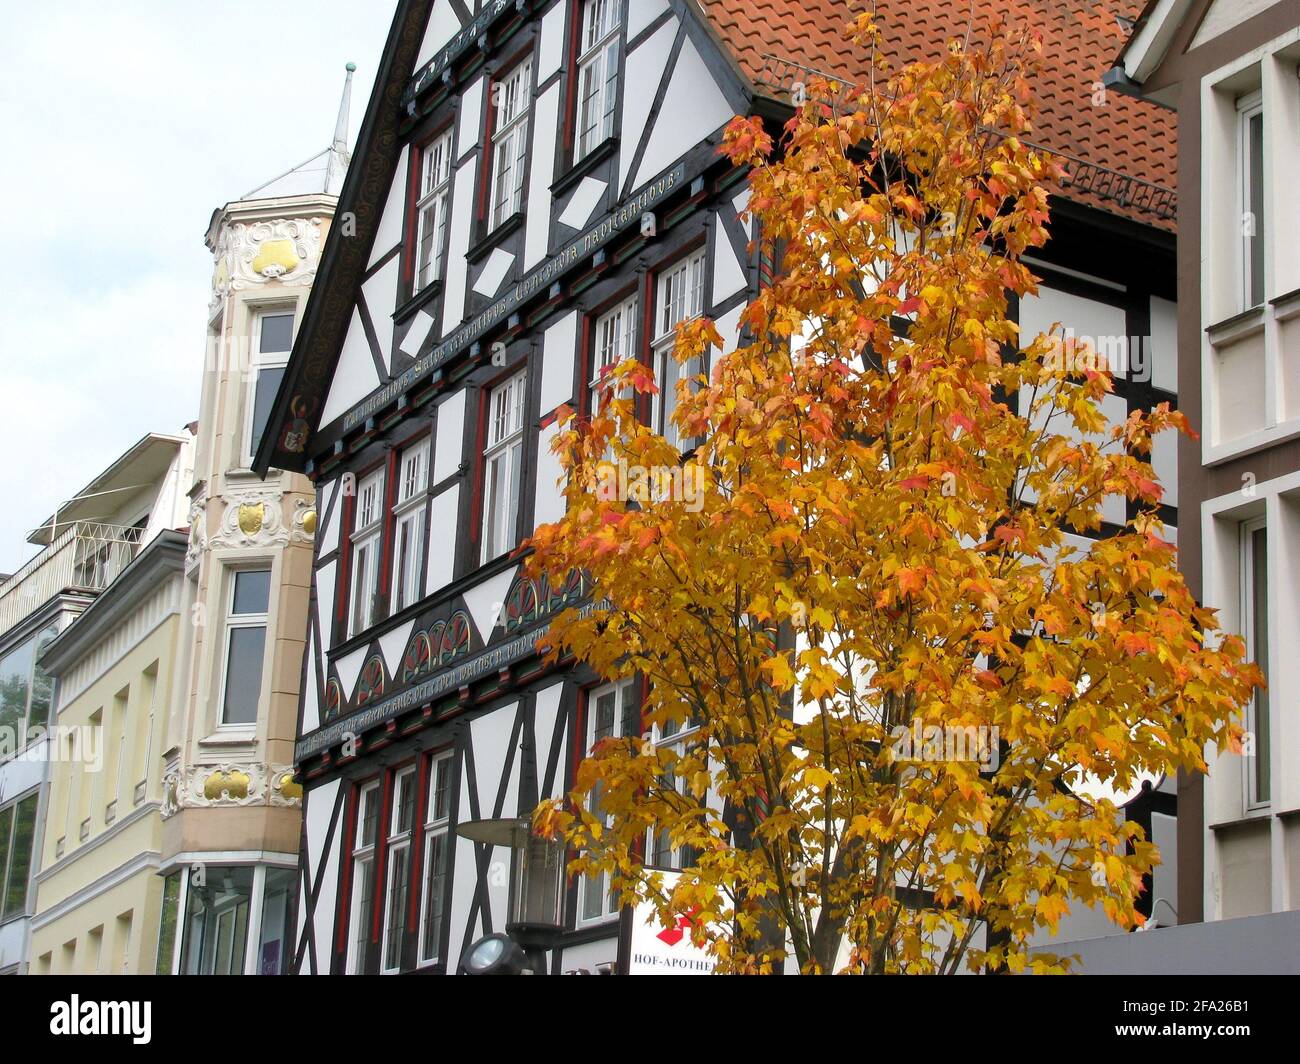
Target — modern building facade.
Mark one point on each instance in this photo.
(87, 543)
(1231, 71)
(538, 192)
(231, 811)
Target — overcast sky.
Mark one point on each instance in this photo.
(125, 125)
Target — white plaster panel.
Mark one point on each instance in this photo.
(559, 349)
(381, 299)
(693, 108)
(443, 26)
(645, 66)
(392, 645)
(354, 377)
(484, 601)
(550, 51)
(494, 272)
(537, 223)
(329, 529)
(450, 439)
(389, 233)
(471, 118)
(325, 581)
(462, 207)
(318, 814)
(1164, 344)
(728, 274)
(643, 12)
(442, 534)
(549, 505)
(578, 211)
(349, 668)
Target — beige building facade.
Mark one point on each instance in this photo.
(231, 810)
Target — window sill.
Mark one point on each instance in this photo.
(231, 737)
(577, 171)
(492, 239)
(421, 299)
(1237, 326)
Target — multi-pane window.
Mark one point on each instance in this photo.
(17, 836)
(1250, 166)
(272, 342)
(431, 210)
(25, 689)
(366, 530)
(597, 73)
(1254, 582)
(408, 529)
(503, 466)
(401, 821)
(679, 298)
(615, 339)
(437, 859)
(511, 97)
(363, 877)
(613, 711)
(246, 617)
(681, 739)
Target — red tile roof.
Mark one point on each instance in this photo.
(1081, 39)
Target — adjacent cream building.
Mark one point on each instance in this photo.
(95, 836)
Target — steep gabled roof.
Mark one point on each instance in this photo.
(1080, 41)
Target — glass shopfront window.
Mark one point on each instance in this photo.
(237, 920)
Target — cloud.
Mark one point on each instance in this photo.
(126, 125)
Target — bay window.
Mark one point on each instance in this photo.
(437, 859)
(366, 535)
(510, 96)
(597, 73)
(613, 712)
(245, 645)
(431, 210)
(272, 342)
(679, 298)
(503, 466)
(408, 516)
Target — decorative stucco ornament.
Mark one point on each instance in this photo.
(230, 785)
(252, 518)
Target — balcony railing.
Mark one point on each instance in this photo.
(84, 557)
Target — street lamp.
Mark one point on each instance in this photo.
(535, 911)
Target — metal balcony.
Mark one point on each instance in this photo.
(83, 557)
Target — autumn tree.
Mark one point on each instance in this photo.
(865, 542)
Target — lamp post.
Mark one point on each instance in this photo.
(535, 911)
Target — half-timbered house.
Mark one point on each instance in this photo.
(537, 191)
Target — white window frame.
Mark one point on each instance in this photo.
(235, 621)
(1252, 765)
(432, 209)
(363, 870)
(680, 296)
(367, 541)
(409, 524)
(597, 97)
(397, 841)
(259, 362)
(1249, 107)
(615, 339)
(677, 740)
(625, 696)
(437, 830)
(512, 96)
(503, 470)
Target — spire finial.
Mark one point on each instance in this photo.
(345, 107)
